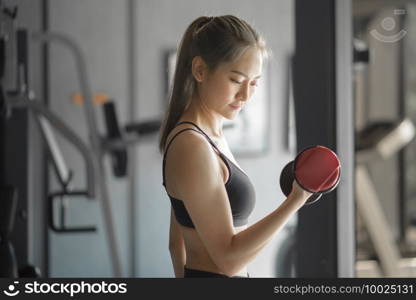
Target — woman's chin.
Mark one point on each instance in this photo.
(231, 116)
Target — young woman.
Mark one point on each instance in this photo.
(218, 67)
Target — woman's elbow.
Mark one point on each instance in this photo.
(226, 262)
(228, 267)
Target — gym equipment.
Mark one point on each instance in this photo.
(379, 140)
(116, 139)
(119, 156)
(15, 93)
(63, 197)
(316, 169)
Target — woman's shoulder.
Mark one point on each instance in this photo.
(191, 163)
(184, 140)
(188, 154)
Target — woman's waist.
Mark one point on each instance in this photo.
(206, 264)
(204, 271)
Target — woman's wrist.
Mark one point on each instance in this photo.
(298, 199)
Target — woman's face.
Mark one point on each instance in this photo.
(226, 90)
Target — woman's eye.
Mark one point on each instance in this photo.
(236, 81)
(254, 84)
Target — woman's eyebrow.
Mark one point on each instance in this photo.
(242, 74)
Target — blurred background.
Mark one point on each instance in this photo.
(84, 86)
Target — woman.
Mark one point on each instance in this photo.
(218, 67)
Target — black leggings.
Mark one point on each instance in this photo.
(189, 273)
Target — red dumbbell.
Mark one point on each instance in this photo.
(316, 169)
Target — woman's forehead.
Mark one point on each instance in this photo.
(249, 66)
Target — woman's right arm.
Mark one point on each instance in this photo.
(199, 183)
(247, 244)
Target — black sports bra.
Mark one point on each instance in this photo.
(239, 188)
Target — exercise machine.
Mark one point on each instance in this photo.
(16, 94)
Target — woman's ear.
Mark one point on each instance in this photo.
(198, 68)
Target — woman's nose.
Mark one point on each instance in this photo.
(244, 93)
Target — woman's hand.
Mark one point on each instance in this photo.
(298, 193)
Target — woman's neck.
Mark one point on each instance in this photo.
(209, 121)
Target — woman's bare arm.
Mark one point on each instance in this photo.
(176, 247)
(247, 244)
(200, 184)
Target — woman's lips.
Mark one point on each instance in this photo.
(235, 107)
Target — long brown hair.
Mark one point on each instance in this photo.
(217, 40)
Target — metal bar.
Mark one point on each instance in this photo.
(133, 196)
(376, 224)
(45, 97)
(40, 110)
(100, 172)
(402, 215)
(345, 138)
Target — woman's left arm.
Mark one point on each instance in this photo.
(176, 247)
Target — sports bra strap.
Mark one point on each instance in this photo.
(200, 130)
(185, 129)
(167, 148)
(171, 140)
